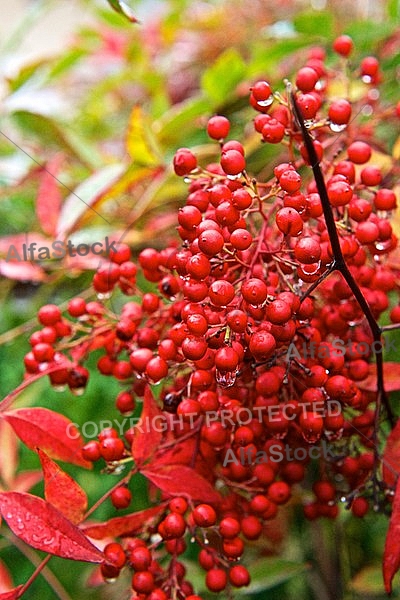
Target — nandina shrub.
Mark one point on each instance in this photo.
(249, 352)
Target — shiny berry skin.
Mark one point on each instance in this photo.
(385, 199)
(115, 554)
(121, 254)
(229, 527)
(307, 250)
(262, 344)
(359, 152)
(261, 91)
(343, 45)
(211, 242)
(216, 580)
(91, 451)
(340, 112)
(143, 582)
(278, 312)
(289, 221)
(290, 181)
(221, 292)
(254, 291)
(241, 239)
(239, 576)
(121, 497)
(306, 79)
(369, 66)
(112, 449)
(174, 525)
(308, 105)
(279, 492)
(156, 369)
(218, 127)
(76, 307)
(339, 193)
(184, 162)
(140, 558)
(204, 515)
(233, 162)
(49, 314)
(273, 131)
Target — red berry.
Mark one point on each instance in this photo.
(218, 127)
(184, 162)
(359, 507)
(343, 45)
(279, 492)
(112, 449)
(233, 162)
(239, 576)
(289, 221)
(340, 112)
(307, 250)
(143, 582)
(359, 152)
(216, 580)
(306, 79)
(121, 497)
(49, 314)
(204, 515)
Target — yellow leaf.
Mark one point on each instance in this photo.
(396, 149)
(139, 144)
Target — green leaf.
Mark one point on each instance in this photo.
(311, 22)
(181, 120)
(219, 80)
(270, 572)
(85, 197)
(368, 581)
(123, 9)
(393, 8)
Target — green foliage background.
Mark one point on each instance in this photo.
(199, 58)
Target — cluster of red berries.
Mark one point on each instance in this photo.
(244, 324)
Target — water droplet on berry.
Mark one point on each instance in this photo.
(110, 579)
(309, 123)
(266, 102)
(311, 437)
(366, 79)
(104, 296)
(336, 128)
(225, 378)
(343, 499)
(59, 388)
(78, 391)
(187, 179)
(333, 435)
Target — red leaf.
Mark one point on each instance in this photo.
(391, 456)
(391, 555)
(22, 271)
(147, 433)
(391, 374)
(5, 579)
(180, 480)
(49, 199)
(128, 524)
(50, 431)
(62, 491)
(12, 594)
(13, 245)
(43, 527)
